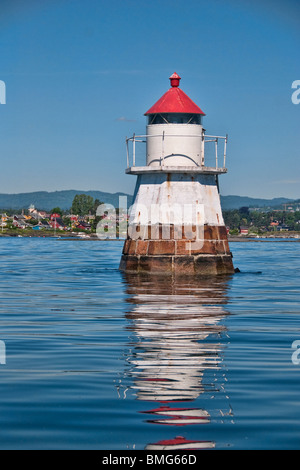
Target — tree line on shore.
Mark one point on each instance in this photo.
(260, 221)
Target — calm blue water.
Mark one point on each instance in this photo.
(99, 360)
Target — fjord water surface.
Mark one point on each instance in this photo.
(96, 359)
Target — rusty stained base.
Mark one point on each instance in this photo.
(211, 256)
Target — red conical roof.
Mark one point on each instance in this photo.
(175, 101)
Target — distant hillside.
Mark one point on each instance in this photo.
(47, 201)
(236, 202)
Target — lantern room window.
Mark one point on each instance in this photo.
(175, 118)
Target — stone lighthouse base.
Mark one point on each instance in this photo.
(176, 225)
(211, 256)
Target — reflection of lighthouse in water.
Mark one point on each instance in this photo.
(178, 332)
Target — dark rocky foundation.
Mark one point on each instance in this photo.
(184, 265)
(209, 256)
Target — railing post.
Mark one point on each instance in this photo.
(127, 151)
(225, 149)
(134, 150)
(217, 141)
(203, 150)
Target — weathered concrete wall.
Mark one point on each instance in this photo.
(169, 198)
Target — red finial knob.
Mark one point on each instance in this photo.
(175, 79)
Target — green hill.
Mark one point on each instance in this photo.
(236, 202)
(47, 201)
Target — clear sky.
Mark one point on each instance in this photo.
(81, 74)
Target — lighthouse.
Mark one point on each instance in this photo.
(176, 223)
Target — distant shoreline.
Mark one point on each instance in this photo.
(295, 237)
(263, 239)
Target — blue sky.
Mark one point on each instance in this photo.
(80, 74)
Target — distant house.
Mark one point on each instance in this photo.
(283, 228)
(244, 230)
(37, 215)
(44, 225)
(19, 221)
(56, 222)
(43, 215)
(55, 216)
(83, 226)
(20, 217)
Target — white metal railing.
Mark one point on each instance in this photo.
(209, 147)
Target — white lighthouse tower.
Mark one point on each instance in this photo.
(176, 223)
